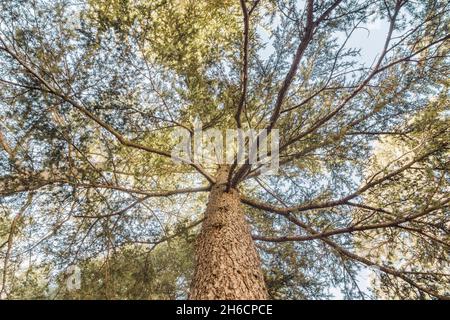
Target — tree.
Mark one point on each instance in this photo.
(91, 92)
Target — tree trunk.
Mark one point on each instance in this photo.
(227, 265)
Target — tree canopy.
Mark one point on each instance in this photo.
(91, 92)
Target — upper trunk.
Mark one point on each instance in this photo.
(227, 264)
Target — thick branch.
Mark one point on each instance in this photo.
(357, 228)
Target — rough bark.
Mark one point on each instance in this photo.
(227, 263)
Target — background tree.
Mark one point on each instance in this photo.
(91, 91)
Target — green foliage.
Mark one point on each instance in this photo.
(90, 92)
(134, 272)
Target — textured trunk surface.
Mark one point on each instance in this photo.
(227, 264)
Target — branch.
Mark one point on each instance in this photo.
(124, 141)
(330, 115)
(355, 228)
(244, 74)
(362, 260)
(307, 37)
(169, 237)
(321, 205)
(10, 240)
(13, 184)
(147, 196)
